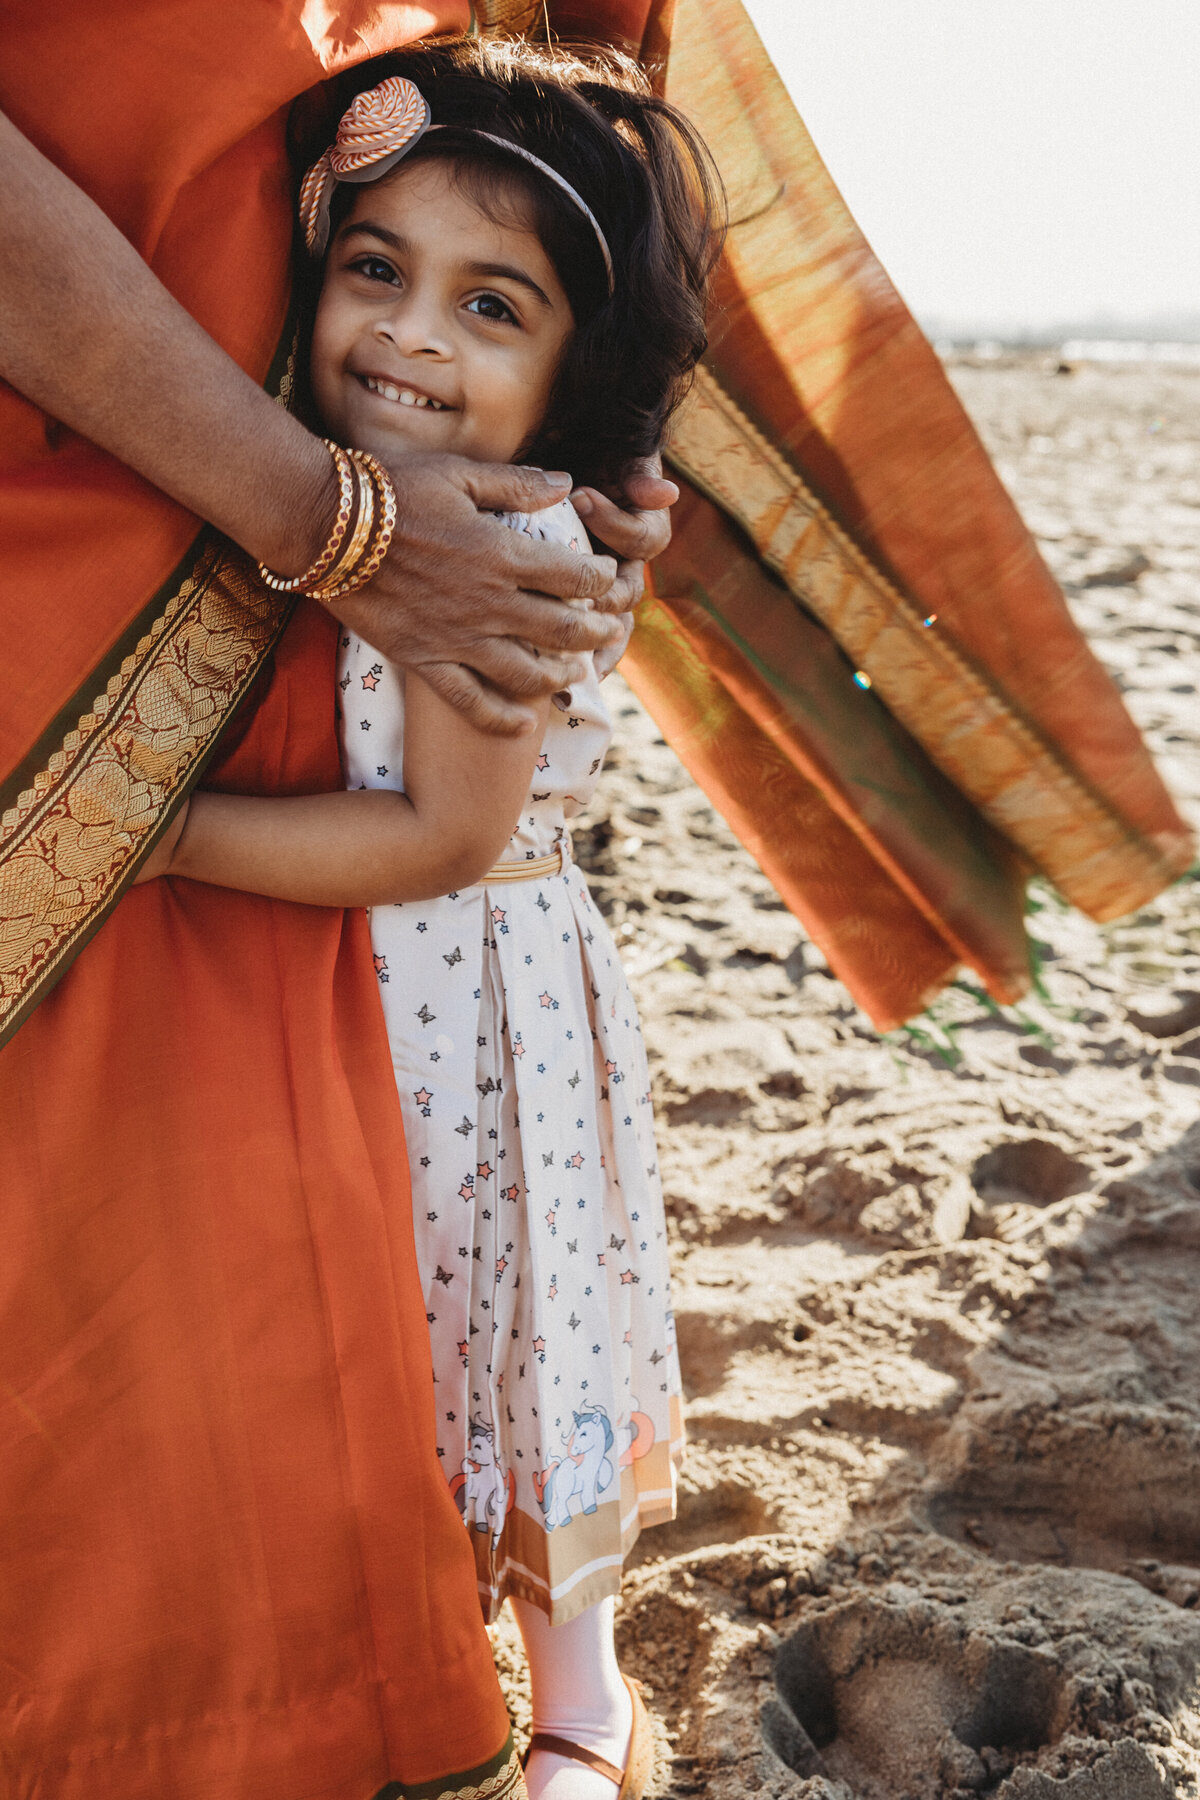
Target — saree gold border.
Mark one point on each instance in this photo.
(992, 754)
(75, 836)
(510, 18)
(504, 1779)
(506, 1784)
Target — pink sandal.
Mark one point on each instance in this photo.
(631, 1781)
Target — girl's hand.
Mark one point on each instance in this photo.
(161, 857)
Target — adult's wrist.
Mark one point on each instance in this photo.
(298, 524)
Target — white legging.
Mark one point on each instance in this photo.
(577, 1693)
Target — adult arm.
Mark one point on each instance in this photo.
(90, 335)
(370, 847)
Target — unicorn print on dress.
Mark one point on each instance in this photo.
(635, 1437)
(541, 1238)
(483, 1492)
(583, 1473)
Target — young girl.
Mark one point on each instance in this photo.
(515, 250)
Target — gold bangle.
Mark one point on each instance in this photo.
(344, 579)
(376, 478)
(387, 523)
(292, 584)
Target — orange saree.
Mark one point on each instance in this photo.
(230, 1564)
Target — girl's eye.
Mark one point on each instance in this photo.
(491, 306)
(375, 268)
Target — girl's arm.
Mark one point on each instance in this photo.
(372, 847)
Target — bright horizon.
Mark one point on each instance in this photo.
(1016, 164)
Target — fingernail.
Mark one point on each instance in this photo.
(583, 503)
(555, 476)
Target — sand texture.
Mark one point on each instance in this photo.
(938, 1296)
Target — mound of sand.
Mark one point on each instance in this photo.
(936, 1295)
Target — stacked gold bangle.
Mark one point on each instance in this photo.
(354, 552)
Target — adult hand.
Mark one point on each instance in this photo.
(634, 523)
(607, 659)
(476, 607)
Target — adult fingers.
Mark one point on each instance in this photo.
(643, 486)
(542, 568)
(608, 658)
(649, 491)
(625, 591)
(500, 487)
(549, 626)
(630, 534)
(522, 672)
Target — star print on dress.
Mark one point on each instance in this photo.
(380, 967)
(371, 679)
(530, 1107)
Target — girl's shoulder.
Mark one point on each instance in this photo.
(557, 524)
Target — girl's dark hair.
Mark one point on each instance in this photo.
(642, 170)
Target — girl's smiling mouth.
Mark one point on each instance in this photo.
(403, 395)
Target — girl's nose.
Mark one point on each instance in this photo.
(414, 328)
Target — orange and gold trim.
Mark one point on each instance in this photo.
(73, 837)
(960, 717)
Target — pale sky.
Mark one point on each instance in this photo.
(1013, 162)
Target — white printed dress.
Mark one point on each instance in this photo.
(536, 1197)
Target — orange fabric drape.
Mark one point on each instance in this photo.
(229, 1563)
(825, 429)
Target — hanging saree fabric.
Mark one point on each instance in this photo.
(856, 647)
(825, 451)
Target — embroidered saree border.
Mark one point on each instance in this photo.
(86, 805)
(969, 729)
(500, 1779)
(73, 839)
(512, 18)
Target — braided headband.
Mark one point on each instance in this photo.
(381, 127)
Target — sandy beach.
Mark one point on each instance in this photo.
(936, 1294)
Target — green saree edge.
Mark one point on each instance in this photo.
(499, 1778)
(52, 973)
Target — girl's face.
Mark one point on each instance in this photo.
(438, 329)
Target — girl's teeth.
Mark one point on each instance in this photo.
(405, 396)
